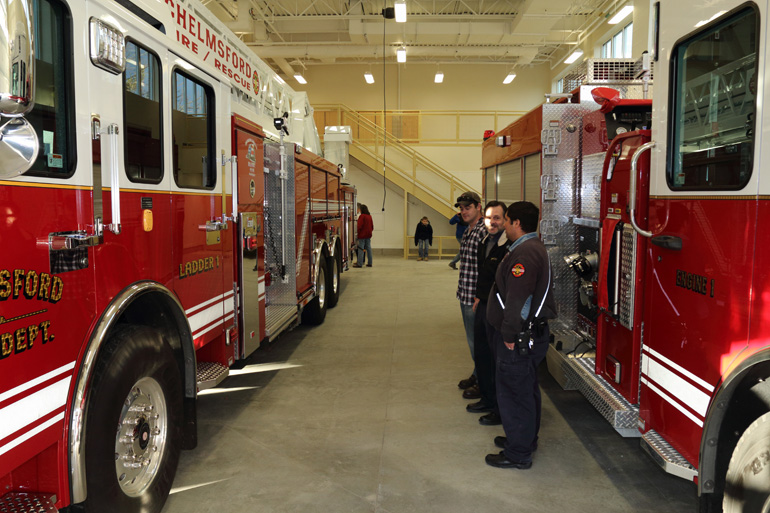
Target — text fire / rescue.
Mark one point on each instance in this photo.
(20, 283)
(694, 282)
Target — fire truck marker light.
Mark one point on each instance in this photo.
(147, 220)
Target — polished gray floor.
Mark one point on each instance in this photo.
(363, 414)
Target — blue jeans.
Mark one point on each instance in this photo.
(469, 318)
(364, 244)
(422, 248)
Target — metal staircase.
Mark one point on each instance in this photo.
(386, 154)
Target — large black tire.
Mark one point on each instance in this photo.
(747, 483)
(134, 424)
(315, 311)
(335, 269)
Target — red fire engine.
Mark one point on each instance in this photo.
(665, 328)
(160, 221)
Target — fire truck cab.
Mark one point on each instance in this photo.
(162, 215)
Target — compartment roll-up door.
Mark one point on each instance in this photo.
(490, 191)
(509, 181)
(532, 178)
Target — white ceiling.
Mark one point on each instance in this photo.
(294, 34)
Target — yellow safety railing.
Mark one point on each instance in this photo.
(402, 164)
(444, 246)
(420, 127)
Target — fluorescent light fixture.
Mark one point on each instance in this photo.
(299, 78)
(509, 78)
(369, 77)
(621, 15)
(439, 78)
(574, 56)
(400, 6)
(401, 54)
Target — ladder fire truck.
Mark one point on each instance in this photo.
(161, 216)
(659, 207)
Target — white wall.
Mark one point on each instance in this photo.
(389, 225)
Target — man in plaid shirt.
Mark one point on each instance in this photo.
(471, 212)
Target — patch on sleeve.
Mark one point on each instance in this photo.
(517, 270)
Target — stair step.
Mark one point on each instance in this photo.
(25, 502)
(666, 456)
(578, 373)
(210, 374)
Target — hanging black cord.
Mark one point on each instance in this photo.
(384, 118)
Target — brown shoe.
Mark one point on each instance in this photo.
(472, 393)
(357, 265)
(467, 383)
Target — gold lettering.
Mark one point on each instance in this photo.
(6, 345)
(32, 332)
(57, 288)
(18, 282)
(44, 291)
(181, 271)
(188, 269)
(21, 340)
(5, 284)
(32, 282)
(44, 326)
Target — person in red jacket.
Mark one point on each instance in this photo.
(365, 227)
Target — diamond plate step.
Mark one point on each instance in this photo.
(666, 456)
(24, 502)
(210, 374)
(578, 373)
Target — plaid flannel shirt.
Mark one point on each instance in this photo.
(469, 262)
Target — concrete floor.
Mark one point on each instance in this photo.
(363, 414)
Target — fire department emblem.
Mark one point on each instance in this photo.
(252, 188)
(517, 270)
(255, 80)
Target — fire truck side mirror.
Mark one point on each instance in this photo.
(17, 58)
(19, 144)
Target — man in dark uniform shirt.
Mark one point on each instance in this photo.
(522, 300)
(492, 250)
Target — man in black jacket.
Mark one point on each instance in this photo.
(519, 306)
(491, 251)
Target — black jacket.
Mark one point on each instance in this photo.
(488, 264)
(423, 232)
(524, 272)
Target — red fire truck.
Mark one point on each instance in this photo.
(161, 217)
(671, 329)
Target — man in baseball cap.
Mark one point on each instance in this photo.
(472, 215)
(468, 198)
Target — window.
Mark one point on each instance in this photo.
(142, 114)
(192, 128)
(53, 113)
(714, 87)
(619, 45)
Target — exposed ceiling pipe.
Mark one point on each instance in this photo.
(285, 66)
(314, 51)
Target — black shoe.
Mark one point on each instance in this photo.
(368, 265)
(453, 265)
(490, 419)
(467, 383)
(500, 441)
(472, 393)
(501, 461)
(479, 407)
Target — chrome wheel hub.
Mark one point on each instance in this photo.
(141, 436)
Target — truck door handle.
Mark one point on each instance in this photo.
(213, 226)
(632, 188)
(671, 242)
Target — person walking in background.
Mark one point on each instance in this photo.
(365, 227)
(459, 231)
(423, 238)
